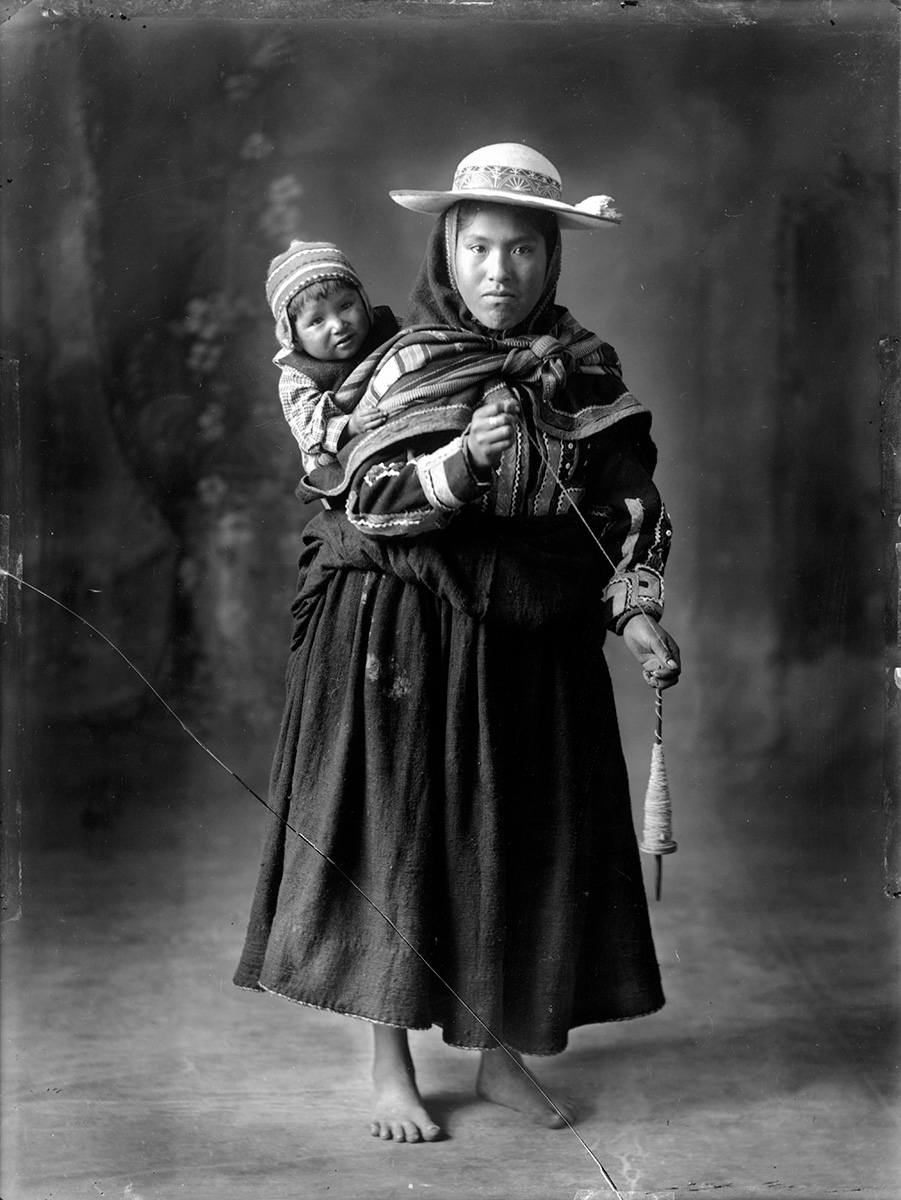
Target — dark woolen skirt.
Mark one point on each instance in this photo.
(467, 775)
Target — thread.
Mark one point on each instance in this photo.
(605, 1175)
(657, 838)
(575, 508)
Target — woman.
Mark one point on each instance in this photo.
(450, 738)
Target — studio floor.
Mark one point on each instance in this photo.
(133, 1068)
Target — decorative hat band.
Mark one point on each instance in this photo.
(514, 174)
(507, 179)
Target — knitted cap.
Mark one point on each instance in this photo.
(301, 265)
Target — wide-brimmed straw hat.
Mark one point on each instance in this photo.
(509, 173)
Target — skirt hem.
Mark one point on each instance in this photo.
(343, 1012)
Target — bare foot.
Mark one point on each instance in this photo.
(503, 1082)
(398, 1113)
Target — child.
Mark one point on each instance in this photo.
(326, 327)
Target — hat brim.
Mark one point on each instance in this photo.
(436, 203)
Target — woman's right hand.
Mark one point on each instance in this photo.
(491, 432)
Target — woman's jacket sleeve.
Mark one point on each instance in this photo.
(628, 517)
(415, 491)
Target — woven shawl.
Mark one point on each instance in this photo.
(430, 376)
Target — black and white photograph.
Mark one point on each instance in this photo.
(450, 614)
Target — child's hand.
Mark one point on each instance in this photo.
(364, 419)
(491, 432)
(654, 649)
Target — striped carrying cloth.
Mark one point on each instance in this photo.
(429, 378)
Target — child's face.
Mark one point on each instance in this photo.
(333, 328)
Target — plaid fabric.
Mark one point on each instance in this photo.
(312, 415)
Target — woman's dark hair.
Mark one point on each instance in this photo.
(542, 221)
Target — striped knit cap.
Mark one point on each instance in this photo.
(299, 267)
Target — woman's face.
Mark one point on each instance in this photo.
(500, 263)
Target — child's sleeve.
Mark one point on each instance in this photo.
(312, 415)
(627, 514)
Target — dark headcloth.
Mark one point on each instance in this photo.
(435, 299)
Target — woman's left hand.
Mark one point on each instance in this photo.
(654, 649)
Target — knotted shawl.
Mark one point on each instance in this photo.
(430, 376)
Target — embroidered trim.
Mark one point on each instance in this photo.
(631, 592)
(626, 401)
(379, 522)
(636, 514)
(433, 477)
(663, 533)
(507, 179)
(520, 467)
(547, 488)
(382, 521)
(491, 388)
(381, 471)
(570, 498)
(602, 513)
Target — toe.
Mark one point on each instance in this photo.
(411, 1132)
(397, 1132)
(385, 1134)
(432, 1133)
(375, 1129)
